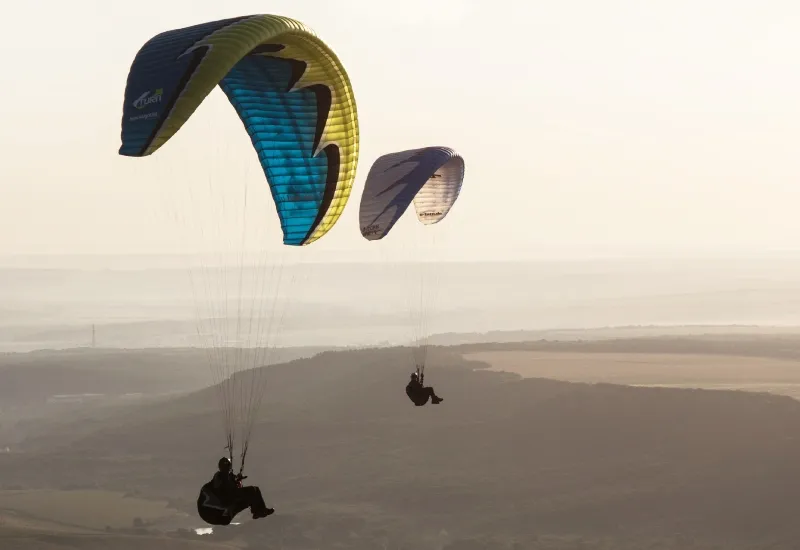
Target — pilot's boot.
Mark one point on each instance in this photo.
(263, 512)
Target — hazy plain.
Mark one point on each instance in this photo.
(140, 302)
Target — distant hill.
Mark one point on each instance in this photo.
(347, 461)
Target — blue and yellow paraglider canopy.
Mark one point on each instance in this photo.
(288, 88)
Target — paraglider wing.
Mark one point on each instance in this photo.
(296, 103)
(431, 178)
(288, 88)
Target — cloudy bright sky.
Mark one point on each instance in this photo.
(587, 127)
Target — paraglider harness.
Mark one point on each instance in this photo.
(210, 506)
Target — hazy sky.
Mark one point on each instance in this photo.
(586, 126)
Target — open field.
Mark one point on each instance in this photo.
(16, 523)
(761, 374)
(86, 509)
(102, 541)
